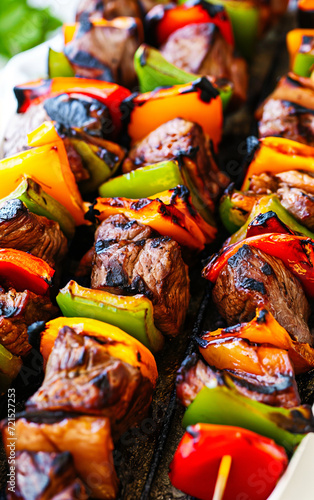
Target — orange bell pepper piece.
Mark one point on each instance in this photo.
(296, 253)
(294, 40)
(120, 344)
(180, 198)
(69, 32)
(48, 166)
(197, 101)
(23, 271)
(225, 352)
(264, 329)
(167, 220)
(276, 155)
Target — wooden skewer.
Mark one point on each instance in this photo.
(222, 478)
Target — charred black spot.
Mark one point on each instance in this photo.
(139, 357)
(139, 243)
(242, 254)
(267, 269)
(262, 219)
(233, 329)
(143, 58)
(190, 152)
(282, 384)
(157, 242)
(128, 224)
(252, 284)
(207, 90)
(33, 332)
(183, 193)
(108, 157)
(102, 245)
(137, 205)
(164, 210)
(26, 95)
(45, 417)
(116, 277)
(262, 317)
(92, 213)
(11, 209)
(203, 343)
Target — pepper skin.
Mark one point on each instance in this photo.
(134, 315)
(260, 221)
(49, 166)
(264, 329)
(123, 346)
(23, 271)
(194, 468)
(163, 20)
(225, 406)
(296, 253)
(165, 219)
(276, 155)
(154, 71)
(58, 65)
(294, 42)
(109, 94)
(198, 102)
(144, 181)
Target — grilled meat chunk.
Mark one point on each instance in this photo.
(46, 476)
(251, 279)
(21, 124)
(201, 49)
(82, 376)
(18, 310)
(23, 230)
(87, 438)
(176, 139)
(106, 52)
(108, 9)
(288, 120)
(299, 203)
(277, 390)
(130, 258)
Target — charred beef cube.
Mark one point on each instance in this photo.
(105, 50)
(277, 390)
(288, 120)
(46, 476)
(79, 112)
(179, 138)
(130, 258)
(202, 50)
(251, 279)
(299, 203)
(87, 438)
(82, 376)
(35, 234)
(18, 310)
(108, 9)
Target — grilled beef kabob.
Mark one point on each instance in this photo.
(162, 224)
(263, 276)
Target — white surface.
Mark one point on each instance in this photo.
(298, 481)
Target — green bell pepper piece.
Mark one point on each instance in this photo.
(224, 406)
(144, 181)
(154, 71)
(303, 64)
(270, 203)
(41, 203)
(244, 17)
(58, 65)
(10, 366)
(101, 161)
(133, 314)
(232, 216)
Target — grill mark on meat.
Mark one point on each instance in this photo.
(103, 244)
(283, 297)
(251, 284)
(139, 261)
(23, 230)
(243, 253)
(266, 269)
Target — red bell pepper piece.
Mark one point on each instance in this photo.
(296, 253)
(163, 20)
(109, 94)
(23, 271)
(267, 222)
(256, 462)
